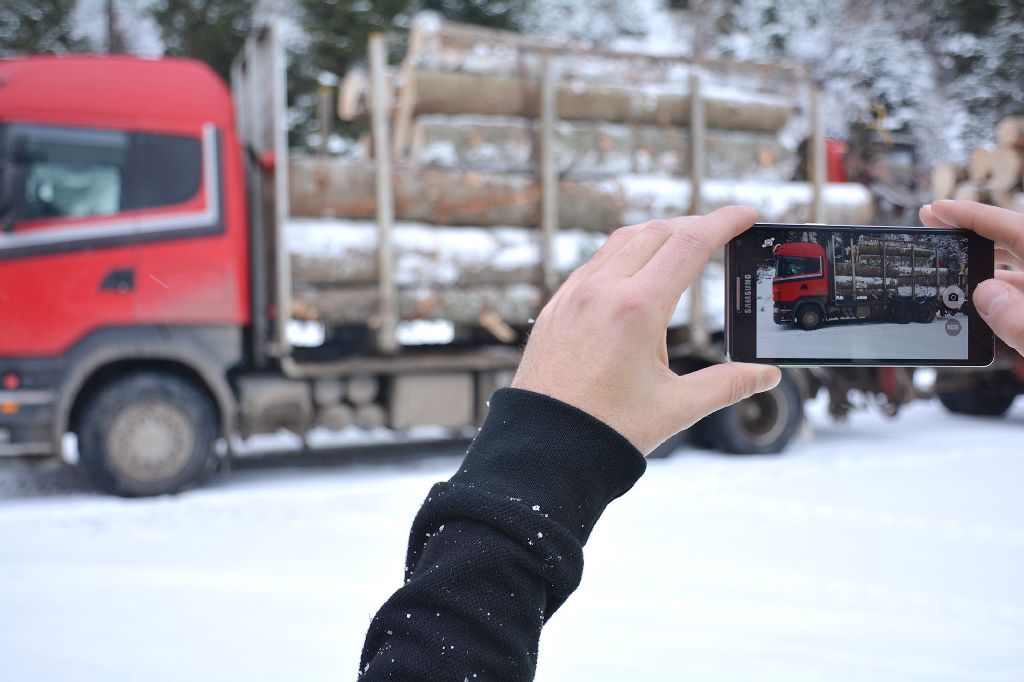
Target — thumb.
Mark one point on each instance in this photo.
(712, 388)
(1002, 307)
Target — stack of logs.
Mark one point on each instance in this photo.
(466, 152)
(993, 175)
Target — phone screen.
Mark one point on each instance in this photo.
(814, 294)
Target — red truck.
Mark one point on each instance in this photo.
(145, 286)
(864, 278)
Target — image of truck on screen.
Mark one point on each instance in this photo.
(844, 276)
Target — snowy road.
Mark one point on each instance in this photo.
(874, 550)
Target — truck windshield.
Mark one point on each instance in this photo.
(791, 266)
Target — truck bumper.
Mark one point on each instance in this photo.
(26, 422)
(782, 315)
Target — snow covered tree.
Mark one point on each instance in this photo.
(505, 14)
(38, 26)
(980, 49)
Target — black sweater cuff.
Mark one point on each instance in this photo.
(553, 458)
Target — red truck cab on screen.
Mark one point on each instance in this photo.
(800, 281)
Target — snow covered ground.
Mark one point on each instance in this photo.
(872, 550)
(940, 340)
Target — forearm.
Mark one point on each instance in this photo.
(497, 549)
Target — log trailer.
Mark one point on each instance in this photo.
(872, 279)
(146, 290)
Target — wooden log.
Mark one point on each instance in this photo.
(585, 149)
(327, 392)
(845, 269)
(333, 188)
(345, 189)
(1010, 133)
(352, 95)
(362, 389)
(515, 304)
(325, 252)
(971, 191)
(371, 416)
(336, 417)
(945, 177)
(980, 165)
(1006, 171)
(455, 92)
(455, 46)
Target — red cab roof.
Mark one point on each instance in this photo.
(113, 91)
(808, 249)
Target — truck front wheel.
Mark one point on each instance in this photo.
(147, 433)
(761, 424)
(809, 317)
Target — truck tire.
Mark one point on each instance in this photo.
(696, 436)
(761, 424)
(147, 433)
(808, 317)
(902, 313)
(978, 401)
(924, 313)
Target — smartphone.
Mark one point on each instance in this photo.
(856, 295)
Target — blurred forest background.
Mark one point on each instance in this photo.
(942, 71)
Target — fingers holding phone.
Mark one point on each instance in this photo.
(1001, 299)
(599, 344)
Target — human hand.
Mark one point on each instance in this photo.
(600, 345)
(999, 300)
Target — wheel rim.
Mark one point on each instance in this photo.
(763, 417)
(810, 319)
(150, 441)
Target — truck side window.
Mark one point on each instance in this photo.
(792, 266)
(71, 173)
(81, 172)
(165, 170)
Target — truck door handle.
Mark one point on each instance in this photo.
(803, 287)
(119, 280)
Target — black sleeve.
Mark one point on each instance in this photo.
(498, 548)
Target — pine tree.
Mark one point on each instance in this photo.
(209, 30)
(505, 14)
(38, 26)
(339, 32)
(980, 51)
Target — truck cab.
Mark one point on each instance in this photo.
(123, 250)
(800, 284)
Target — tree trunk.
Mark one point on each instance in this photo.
(515, 303)
(588, 150)
(327, 252)
(1006, 171)
(345, 189)
(980, 165)
(1010, 133)
(945, 177)
(457, 92)
(970, 191)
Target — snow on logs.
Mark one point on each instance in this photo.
(444, 92)
(324, 188)
(591, 149)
